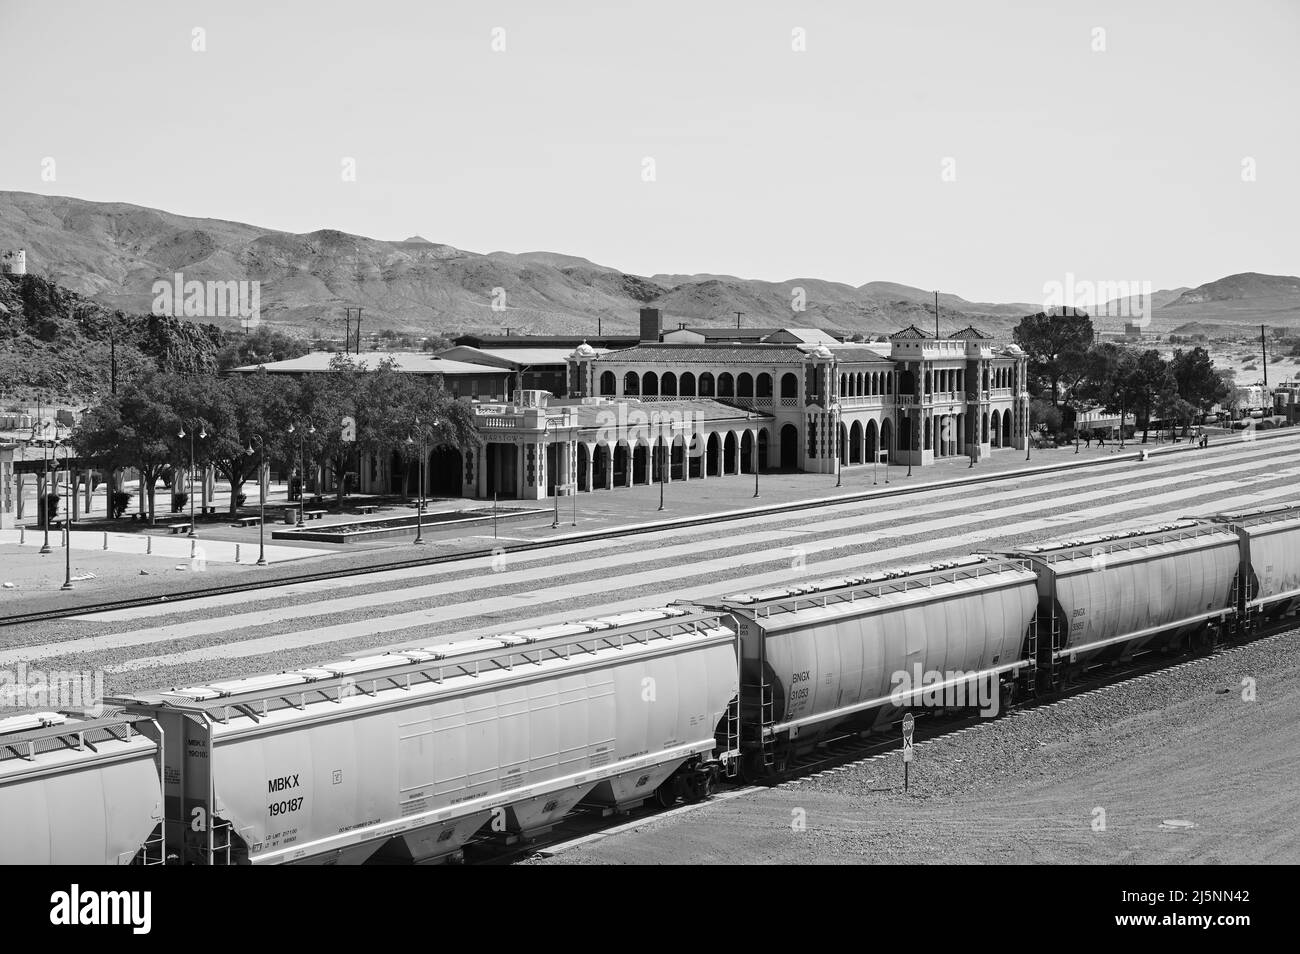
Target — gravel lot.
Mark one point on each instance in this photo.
(1179, 745)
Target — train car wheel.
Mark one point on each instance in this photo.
(666, 794)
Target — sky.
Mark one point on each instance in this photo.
(984, 149)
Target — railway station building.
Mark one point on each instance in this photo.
(686, 405)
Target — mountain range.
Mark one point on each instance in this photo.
(113, 253)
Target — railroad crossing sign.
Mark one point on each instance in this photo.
(909, 726)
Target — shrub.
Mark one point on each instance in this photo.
(240, 498)
(121, 500)
(51, 506)
(179, 500)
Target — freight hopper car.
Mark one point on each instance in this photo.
(79, 791)
(406, 755)
(829, 658)
(1267, 588)
(1105, 598)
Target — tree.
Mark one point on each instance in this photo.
(1044, 412)
(261, 346)
(136, 428)
(1147, 380)
(1199, 384)
(1057, 346)
(331, 401)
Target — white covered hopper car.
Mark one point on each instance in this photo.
(848, 654)
(406, 755)
(1108, 597)
(79, 791)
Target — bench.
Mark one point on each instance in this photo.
(248, 521)
(367, 508)
(178, 527)
(313, 514)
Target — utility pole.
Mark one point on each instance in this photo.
(936, 315)
(738, 314)
(599, 333)
(1263, 350)
(347, 335)
(358, 331)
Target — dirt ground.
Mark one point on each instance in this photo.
(1091, 779)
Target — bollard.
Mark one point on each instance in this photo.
(236, 552)
(192, 545)
(105, 539)
(22, 534)
(148, 544)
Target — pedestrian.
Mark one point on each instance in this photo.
(1101, 439)
(1087, 438)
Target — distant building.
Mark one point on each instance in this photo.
(474, 381)
(13, 262)
(655, 409)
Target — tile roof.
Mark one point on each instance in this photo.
(969, 332)
(859, 352)
(409, 362)
(911, 332)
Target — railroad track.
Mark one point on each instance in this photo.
(247, 585)
(584, 826)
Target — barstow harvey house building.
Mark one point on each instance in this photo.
(705, 403)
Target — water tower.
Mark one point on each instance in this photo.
(13, 262)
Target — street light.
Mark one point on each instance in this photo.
(302, 467)
(67, 519)
(261, 497)
(203, 433)
(419, 494)
(43, 503)
(555, 471)
(662, 474)
(839, 449)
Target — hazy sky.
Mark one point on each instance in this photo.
(1120, 164)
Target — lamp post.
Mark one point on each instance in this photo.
(419, 490)
(261, 496)
(203, 433)
(839, 449)
(67, 519)
(302, 466)
(663, 476)
(424, 431)
(43, 503)
(555, 475)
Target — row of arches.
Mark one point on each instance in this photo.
(626, 463)
(867, 444)
(866, 383)
(744, 386)
(1002, 377)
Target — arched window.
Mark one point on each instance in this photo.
(686, 387)
(608, 384)
(745, 385)
(631, 384)
(706, 385)
(668, 384)
(764, 386)
(789, 386)
(650, 384)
